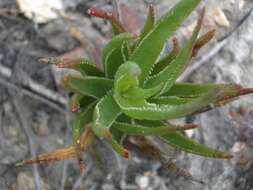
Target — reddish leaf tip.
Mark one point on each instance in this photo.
(245, 91)
(81, 165)
(75, 108)
(100, 13)
(175, 43)
(126, 154)
(151, 7)
(190, 126)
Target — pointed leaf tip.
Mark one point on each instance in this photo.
(105, 113)
(81, 165)
(188, 145)
(57, 155)
(164, 62)
(180, 62)
(155, 40)
(100, 13)
(112, 17)
(75, 103)
(150, 22)
(203, 40)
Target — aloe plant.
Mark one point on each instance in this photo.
(135, 92)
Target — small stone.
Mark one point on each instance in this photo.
(60, 141)
(142, 181)
(238, 146)
(189, 133)
(220, 17)
(241, 4)
(25, 181)
(7, 107)
(40, 11)
(108, 187)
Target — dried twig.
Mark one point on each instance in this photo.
(33, 89)
(241, 21)
(24, 91)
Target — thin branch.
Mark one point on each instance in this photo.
(241, 21)
(24, 91)
(33, 89)
(40, 89)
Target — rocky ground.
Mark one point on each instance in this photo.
(34, 117)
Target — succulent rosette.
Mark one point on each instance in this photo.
(135, 91)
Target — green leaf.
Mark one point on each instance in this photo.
(87, 67)
(116, 133)
(164, 62)
(149, 49)
(112, 54)
(181, 142)
(203, 40)
(126, 79)
(74, 102)
(170, 100)
(105, 113)
(125, 51)
(112, 62)
(178, 65)
(139, 93)
(90, 86)
(141, 109)
(85, 101)
(82, 119)
(126, 82)
(150, 22)
(119, 148)
(192, 90)
(78, 101)
(135, 129)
